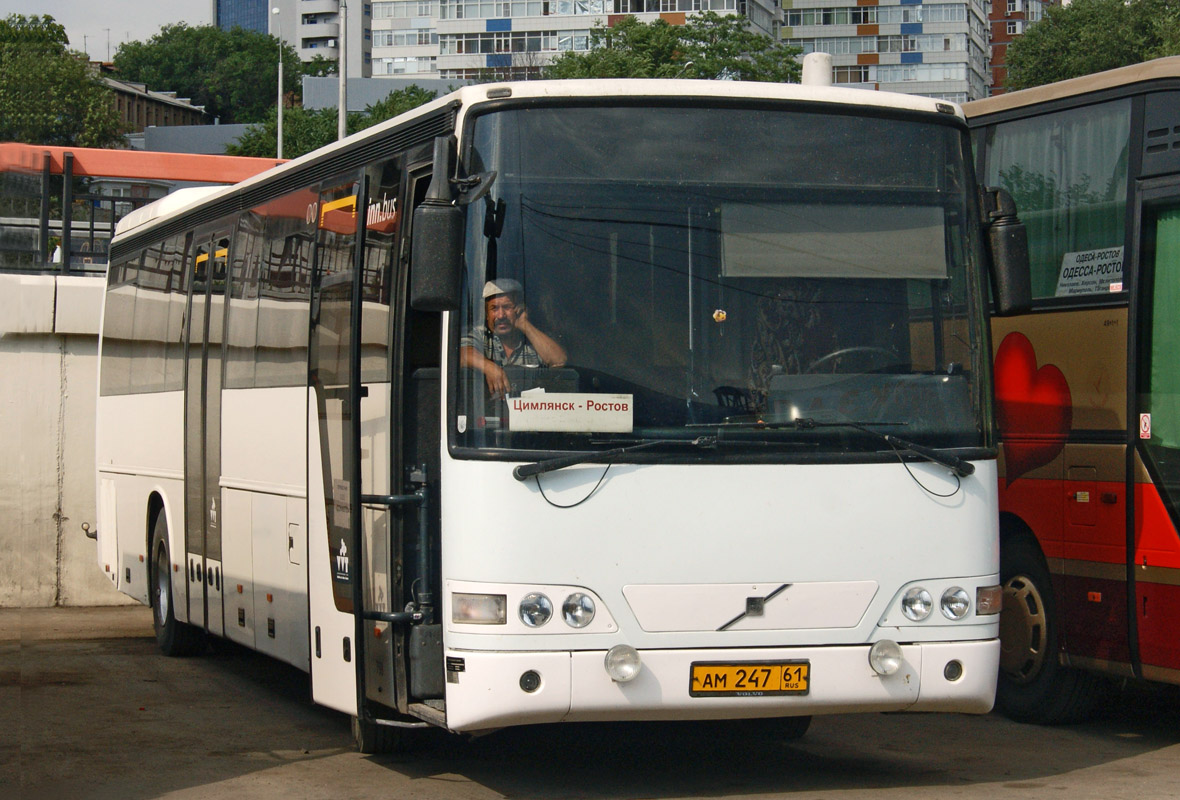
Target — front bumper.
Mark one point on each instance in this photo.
(484, 690)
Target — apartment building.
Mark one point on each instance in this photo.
(1008, 21)
(932, 48)
(470, 39)
(314, 28)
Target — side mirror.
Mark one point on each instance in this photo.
(437, 249)
(1007, 243)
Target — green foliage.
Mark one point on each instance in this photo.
(628, 49)
(1090, 36)
(44, 30)
(320, 67)
(305, 130)
(398, 102)
(233, 73)
(48, 94)
(707, 46)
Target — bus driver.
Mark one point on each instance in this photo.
(508, 338)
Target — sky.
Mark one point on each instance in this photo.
(91, 24)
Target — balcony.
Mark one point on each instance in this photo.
(319, 30)
(319, 6)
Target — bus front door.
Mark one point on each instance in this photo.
(1155, 555)
(207, 273)
(348, 447)
(368, 525)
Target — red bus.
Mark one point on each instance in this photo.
(1088, 386)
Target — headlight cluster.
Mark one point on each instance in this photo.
(577, 610)
(917, 603)
(534, 610)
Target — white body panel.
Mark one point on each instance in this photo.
(333, 651)
(263, 508)
(576, 688)
(136, 460)
(264, 534)
(674, 551)
(664, 525)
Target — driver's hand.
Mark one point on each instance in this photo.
(497, 380)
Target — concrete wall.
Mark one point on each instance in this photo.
(48, 372)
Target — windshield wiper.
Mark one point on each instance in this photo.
(952, 462)
(526, 471)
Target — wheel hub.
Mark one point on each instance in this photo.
(1023, 630)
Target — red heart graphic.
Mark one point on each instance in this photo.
(1034, 407)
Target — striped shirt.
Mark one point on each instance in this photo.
(489, 344)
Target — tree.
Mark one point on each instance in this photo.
(706, 46)
(627, 49)
(724, 47)
(396, 102)
(48, 94)
(1090, 36)
(319, 67)
(232, 73)
(43, 31)
(305, 130)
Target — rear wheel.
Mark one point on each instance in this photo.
(174, 638)
(1033, 685)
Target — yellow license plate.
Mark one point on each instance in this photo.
(749, 680)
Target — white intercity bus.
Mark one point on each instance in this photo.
(566, 401)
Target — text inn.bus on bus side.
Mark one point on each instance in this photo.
(1087, 386)
(566, 401)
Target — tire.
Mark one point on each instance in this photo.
(788, 729)
(1033, 685)
(371, 738)
(174, 638)
(774, 729)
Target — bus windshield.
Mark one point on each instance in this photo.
(639, 273)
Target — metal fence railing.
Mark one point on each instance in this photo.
(50, 223)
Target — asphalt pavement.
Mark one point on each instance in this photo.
(90, 709)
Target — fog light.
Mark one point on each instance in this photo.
(622, 663)
(989, 600)
(952, 671)
(885, 657)
(535, 609)
(530, 681)
(916, 604)
(955, 603)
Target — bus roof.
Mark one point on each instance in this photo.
(638, 89)
(469, 96)
(1159, 69)
(166, 206)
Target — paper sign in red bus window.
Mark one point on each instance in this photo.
(577, 413)
(1091, 272)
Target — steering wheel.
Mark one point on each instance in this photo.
(871, 354)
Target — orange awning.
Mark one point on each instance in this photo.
(95, 162)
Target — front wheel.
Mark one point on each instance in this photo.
(1033, 685)
(174, 638)
(371, 738)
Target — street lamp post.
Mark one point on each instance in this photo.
(279, 21)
